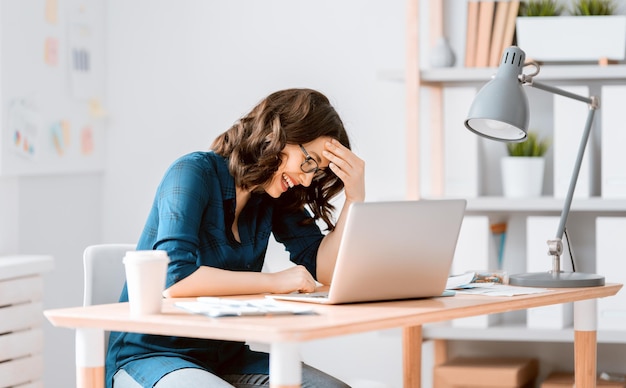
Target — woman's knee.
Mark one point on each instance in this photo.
(180, 378)
(191, 377)
(311, 378)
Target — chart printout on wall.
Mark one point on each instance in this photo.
(52, 71)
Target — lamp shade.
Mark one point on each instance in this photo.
(500, 109)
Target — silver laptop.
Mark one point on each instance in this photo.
(392, 250)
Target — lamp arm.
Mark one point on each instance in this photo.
(579, 159)
(594, 104)
(591, 101)
(555, 247)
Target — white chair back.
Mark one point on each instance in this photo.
(104, 274)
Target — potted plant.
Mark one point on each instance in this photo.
(523, 168)
(587, 30)
(536, 8)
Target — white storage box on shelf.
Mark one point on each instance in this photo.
(460, 159)
(21, 318)
(569, 119)
(588, 38)
(613, 157)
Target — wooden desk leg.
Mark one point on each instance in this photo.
(441, 351)
(285, 365)
(89, 358)
(585, 343)
(412, 356)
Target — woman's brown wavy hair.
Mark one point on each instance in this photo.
(254, 144)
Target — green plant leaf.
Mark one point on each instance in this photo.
(533, 146)
(593, 7)
(540, 8)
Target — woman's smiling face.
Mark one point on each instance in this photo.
(290, 173)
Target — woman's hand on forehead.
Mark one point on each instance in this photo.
(348, 167)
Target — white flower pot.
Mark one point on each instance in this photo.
(522, 177)
(572, 38)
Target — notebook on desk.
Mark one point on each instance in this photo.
(392, 250)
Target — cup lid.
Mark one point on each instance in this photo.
(146, 255)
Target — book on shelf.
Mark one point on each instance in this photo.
(471, 33)
(509, 28)
(483, 37)
(497, 32)
(490, 30)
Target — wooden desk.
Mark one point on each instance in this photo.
(284, 333)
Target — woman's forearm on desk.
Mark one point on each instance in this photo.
(208, 281)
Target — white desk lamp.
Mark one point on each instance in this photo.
(500, 112)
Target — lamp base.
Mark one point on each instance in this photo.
(556, 279)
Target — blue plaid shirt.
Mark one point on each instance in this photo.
(191, 219)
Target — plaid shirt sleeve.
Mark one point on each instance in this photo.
(176, 217)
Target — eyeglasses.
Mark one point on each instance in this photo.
(309, 165)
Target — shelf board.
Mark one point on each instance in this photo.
(544, 205)
(548, 73)
(514, 333)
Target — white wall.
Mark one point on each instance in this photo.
(194, 67)
(181, 72)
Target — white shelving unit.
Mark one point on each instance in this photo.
(544, 205)
(581, 221)
(515, 332)
(548, 73)
(455, 76)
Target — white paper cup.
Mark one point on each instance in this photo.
(145, 280)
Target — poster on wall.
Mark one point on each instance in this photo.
(82, 49)
(24, 126)
(52, 68)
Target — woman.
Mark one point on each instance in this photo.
(273, 172)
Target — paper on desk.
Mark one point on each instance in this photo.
(223, 307)
(459, 281)
(462, 284)
(494, 289)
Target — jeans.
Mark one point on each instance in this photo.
(194, 377)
